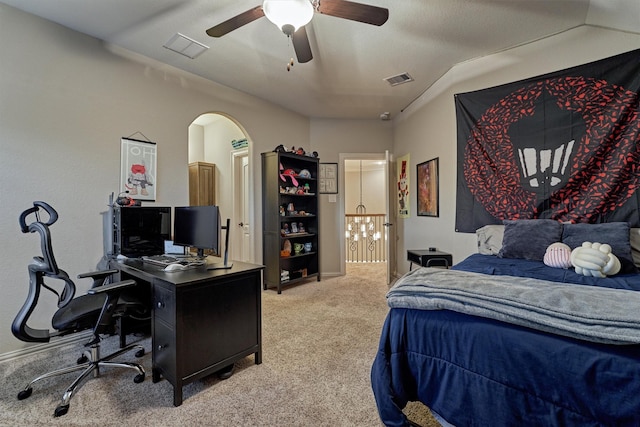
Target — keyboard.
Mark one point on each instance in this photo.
(161, 260)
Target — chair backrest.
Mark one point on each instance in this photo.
(39, 268)
(49, 264)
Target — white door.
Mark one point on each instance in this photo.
(389, 175)
(240, 227)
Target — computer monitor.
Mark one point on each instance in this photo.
(142, 230)
(199, 227)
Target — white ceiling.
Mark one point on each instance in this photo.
(424, 38)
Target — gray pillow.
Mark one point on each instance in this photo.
(615, 234)
(529, 238)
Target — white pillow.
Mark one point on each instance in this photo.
(490, 239)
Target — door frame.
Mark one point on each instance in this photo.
(342, 157)
(237, 197)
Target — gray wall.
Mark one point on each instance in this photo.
(66, 100)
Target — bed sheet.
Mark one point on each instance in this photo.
(491, 264)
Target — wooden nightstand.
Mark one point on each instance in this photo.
(427, 258)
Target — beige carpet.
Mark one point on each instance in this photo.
(319, 342)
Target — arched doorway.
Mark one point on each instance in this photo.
(215, 138)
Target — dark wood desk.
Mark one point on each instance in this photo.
(427, 258)
(202, 321)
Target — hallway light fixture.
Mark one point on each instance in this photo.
(288, 15)
(361, 209)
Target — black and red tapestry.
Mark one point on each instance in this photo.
(565, 145)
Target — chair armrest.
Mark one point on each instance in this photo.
(112, 287)
(97, 274)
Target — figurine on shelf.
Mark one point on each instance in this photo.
(291, 209)
(304, 173)
(300, 191)
(285, 229)
(307, 187)
(301, 228)
(282, 213)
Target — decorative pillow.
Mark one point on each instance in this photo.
(595, 259)
(558, 255)
(490, 239)
(529, 238)
(615, 234)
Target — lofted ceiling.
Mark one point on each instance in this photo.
(345, 79)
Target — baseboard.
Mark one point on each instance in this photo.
(330, 275)
(37, 348)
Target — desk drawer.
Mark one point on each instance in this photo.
(164, 351)
(164, 304)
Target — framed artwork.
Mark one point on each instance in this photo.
(428, 203)
(328, 178)
(403, 185)
(138, 171)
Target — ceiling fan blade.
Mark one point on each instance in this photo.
(301, 45)
(354, 11)
(236, 22)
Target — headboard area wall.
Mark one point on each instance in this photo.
(565, 146)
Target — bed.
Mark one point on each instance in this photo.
(502, 339)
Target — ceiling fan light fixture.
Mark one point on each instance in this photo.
(288, 15)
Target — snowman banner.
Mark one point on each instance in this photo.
(138, 169)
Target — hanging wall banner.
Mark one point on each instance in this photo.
(403, 186)
(565, 146)
(138, 169)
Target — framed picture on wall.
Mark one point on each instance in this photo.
(328, 178)
(427, 177)
(138, 169)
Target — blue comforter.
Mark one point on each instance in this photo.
(480, 371)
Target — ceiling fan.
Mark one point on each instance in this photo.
(291, 16)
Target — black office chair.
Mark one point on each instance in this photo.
(96, 310)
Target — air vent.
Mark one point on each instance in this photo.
(399, 79)
(185, 46)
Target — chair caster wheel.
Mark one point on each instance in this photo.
(140, 352)
(82, 359)
(138, 378)
(61, 410)
(25, 393)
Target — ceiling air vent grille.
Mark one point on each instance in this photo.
(399, 79)
(185, 46)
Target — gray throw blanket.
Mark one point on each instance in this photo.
(591, 313)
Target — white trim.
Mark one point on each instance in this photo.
(38, 348)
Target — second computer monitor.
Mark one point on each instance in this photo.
(197, 227)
